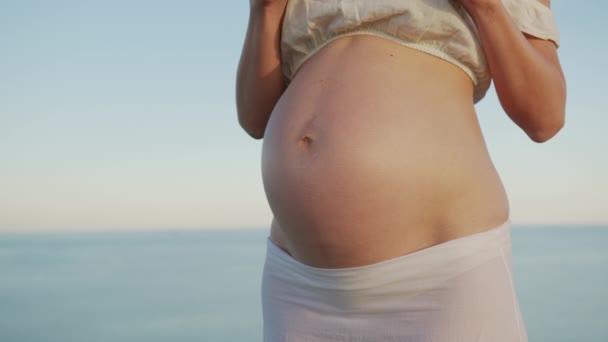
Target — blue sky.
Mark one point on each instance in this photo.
(121, 115)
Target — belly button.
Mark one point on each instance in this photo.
(305, 141)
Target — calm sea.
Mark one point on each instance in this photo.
(205, 285)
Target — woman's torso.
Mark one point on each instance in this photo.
(375, 151)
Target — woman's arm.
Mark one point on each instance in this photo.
(259, 82)
(527, 75)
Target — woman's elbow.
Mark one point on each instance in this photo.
(255, 133)
(544, 119)
(251, 127)
(554, 112)
(544, 134)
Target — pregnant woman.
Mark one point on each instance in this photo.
(390, 220)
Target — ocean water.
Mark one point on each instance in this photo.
(205, 285)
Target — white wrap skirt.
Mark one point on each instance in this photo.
(458, 291)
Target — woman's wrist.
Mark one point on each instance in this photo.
(477, 8)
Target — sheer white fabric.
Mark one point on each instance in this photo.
(460, 290)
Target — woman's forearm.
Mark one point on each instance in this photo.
(530, 87)
(259, 81)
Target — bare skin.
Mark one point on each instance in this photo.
(375, 151)
(363, 164)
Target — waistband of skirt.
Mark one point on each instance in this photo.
(434, 263)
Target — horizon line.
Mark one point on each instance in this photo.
(227, 228)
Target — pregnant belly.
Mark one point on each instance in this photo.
(376, 156)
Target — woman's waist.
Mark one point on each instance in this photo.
(340, 234)
(441, 259)
(392, 191)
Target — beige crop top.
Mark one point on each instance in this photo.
(442, 28)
